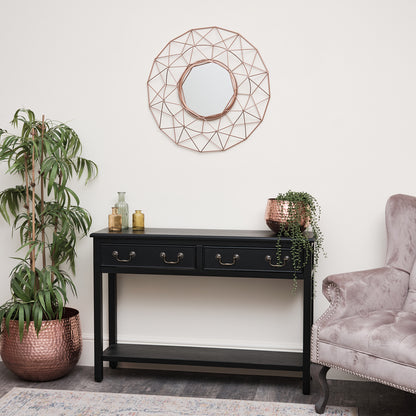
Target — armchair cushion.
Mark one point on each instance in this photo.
(386, 334)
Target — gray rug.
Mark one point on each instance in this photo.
(40, 402)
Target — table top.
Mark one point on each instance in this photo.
(204, 234)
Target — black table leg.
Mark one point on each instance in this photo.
(307, 325)
(98, 325)
(112, 312)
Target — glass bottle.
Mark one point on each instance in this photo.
(114, 220)
(123, 210)
(138, 220)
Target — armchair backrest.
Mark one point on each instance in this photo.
(401, 232)
(410, 302)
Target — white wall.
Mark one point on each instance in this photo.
(340, 125)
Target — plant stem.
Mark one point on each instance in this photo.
(42, 198)
(55, 231)
(27, 192)
(33, 184)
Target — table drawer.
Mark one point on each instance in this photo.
(243, 258)
(149, 256)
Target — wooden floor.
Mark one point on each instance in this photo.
(372, 399)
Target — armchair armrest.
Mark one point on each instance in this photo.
(358, 293)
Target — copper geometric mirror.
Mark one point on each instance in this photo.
(208, 89)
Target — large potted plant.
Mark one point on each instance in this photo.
(41, 337)
(289, 215)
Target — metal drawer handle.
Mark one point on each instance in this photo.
(269, 260)
(235, 258)
(132, 255)
(178, 259)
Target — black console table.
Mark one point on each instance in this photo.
(229, 253)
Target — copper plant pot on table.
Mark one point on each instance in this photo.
(278, 215)
(50, 355)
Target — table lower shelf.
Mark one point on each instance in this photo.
(201, 356)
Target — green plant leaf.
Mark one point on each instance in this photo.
(300, 205)
(21, 321)
(27, 310)
(52, 177)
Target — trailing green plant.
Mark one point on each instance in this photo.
(45, 156)
(301, 210)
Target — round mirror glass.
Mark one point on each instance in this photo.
(207, 89)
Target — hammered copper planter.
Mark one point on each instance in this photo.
(277, 215)
(47, 357)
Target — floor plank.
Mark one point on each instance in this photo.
(372, 399)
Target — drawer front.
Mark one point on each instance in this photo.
(243, 258)
(149, 256)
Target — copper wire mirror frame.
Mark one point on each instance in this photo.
(244, 112)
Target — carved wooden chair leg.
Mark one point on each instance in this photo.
(324, 390)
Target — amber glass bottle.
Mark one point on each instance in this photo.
(138, 220)
(114, 220)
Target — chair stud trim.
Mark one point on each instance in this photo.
(378, 380)
(328, 314)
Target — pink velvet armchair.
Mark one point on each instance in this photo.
(369, 328)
